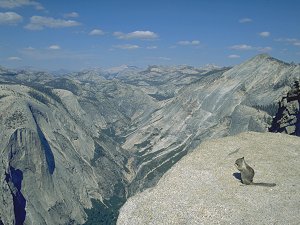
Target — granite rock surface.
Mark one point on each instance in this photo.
(203, 187)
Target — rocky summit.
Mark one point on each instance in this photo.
(205, 188)
(74, 147)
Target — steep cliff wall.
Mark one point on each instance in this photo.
(53, 160)
(287, 119)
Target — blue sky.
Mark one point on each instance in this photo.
(78, 34)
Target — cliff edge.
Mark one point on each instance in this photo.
(203, 188)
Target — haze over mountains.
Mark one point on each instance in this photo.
(107, 135)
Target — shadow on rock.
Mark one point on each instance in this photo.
(237, 176)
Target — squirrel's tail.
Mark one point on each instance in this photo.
(264, 184)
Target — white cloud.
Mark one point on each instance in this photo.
(143, 35)
(14, 58)
(233, 56)
(245, 20)
(241, 47)
(40, 22)
(10, 4)
(158, 58)
(183, 42)
(29, 48)
(10, 18)
(54, 47)
(244, 47)
(152, 47)
(289, 41)
(264, 34)
(71, 15)
(194, 42)
(42, 54)
(97, 32)
(127, 47)
(264, 49)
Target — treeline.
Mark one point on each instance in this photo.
(38, 97)
(46, 90)
(100, 214)
(271, 109)
(106, 213)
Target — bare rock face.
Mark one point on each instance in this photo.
(204, 187)
(53, 160)
(287, 119)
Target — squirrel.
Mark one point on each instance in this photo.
(247, 173)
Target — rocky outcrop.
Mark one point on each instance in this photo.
(287, 119)
(204, 187)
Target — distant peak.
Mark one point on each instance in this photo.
(261, 56)
(210, 67)
(121, 68)
(265, 58)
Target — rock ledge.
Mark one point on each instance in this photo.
(202, 188)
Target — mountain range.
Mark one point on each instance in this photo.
(76, 146)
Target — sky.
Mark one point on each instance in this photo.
(83, 34)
